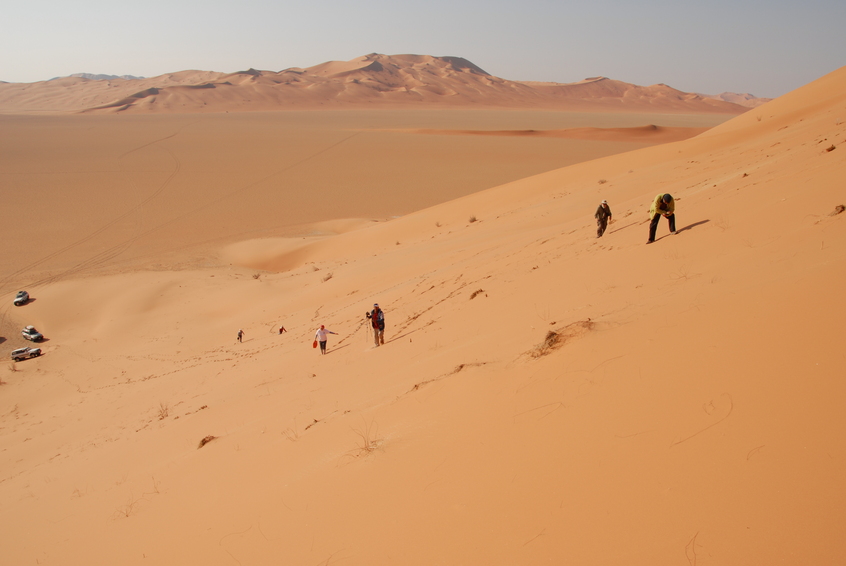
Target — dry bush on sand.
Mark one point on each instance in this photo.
(473, 219)
(370, 440)
(556, 338)
(163, 410)
(206, 440)
(476, 292)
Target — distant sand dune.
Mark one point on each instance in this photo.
(388, 81)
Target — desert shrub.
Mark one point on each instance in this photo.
(554, 339)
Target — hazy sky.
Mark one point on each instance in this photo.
(765, 47)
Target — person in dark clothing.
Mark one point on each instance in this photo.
(663, 205)
(603, 215)
(240, 336)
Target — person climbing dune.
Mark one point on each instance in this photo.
(321, 337)
(602, 215)
(377, 322)
(665, 206)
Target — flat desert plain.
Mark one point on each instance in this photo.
(87, 192)
(542, 396)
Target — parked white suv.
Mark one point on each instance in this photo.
(30, 333)
(24, 353)
(21, 298)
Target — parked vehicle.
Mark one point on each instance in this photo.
(30, 333)
(21, 298)
(24, 353)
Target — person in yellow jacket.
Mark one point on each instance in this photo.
(663, 205)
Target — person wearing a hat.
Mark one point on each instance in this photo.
(663, 205)
(603, 215)
(320, 336)
(377, 321)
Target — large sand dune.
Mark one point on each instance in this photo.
(375, 80)
(687, 408)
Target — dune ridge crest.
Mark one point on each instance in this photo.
(374, 80)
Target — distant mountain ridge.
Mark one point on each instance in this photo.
(94, 77)
(374, 80)
(743, 99)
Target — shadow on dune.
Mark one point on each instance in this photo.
(394, 339)
(622, 227)
(680, 230)
(694, 225)
(333, 350)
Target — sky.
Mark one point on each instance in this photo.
(763, 47)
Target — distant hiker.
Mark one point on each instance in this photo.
(603, 215)
(663, 205)
(240, 335)
(321, 336)
(282, 329)
(377, 321)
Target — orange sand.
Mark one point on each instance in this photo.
(691, 412)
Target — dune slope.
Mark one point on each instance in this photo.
(543, 395)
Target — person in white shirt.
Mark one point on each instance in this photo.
(321, 336)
